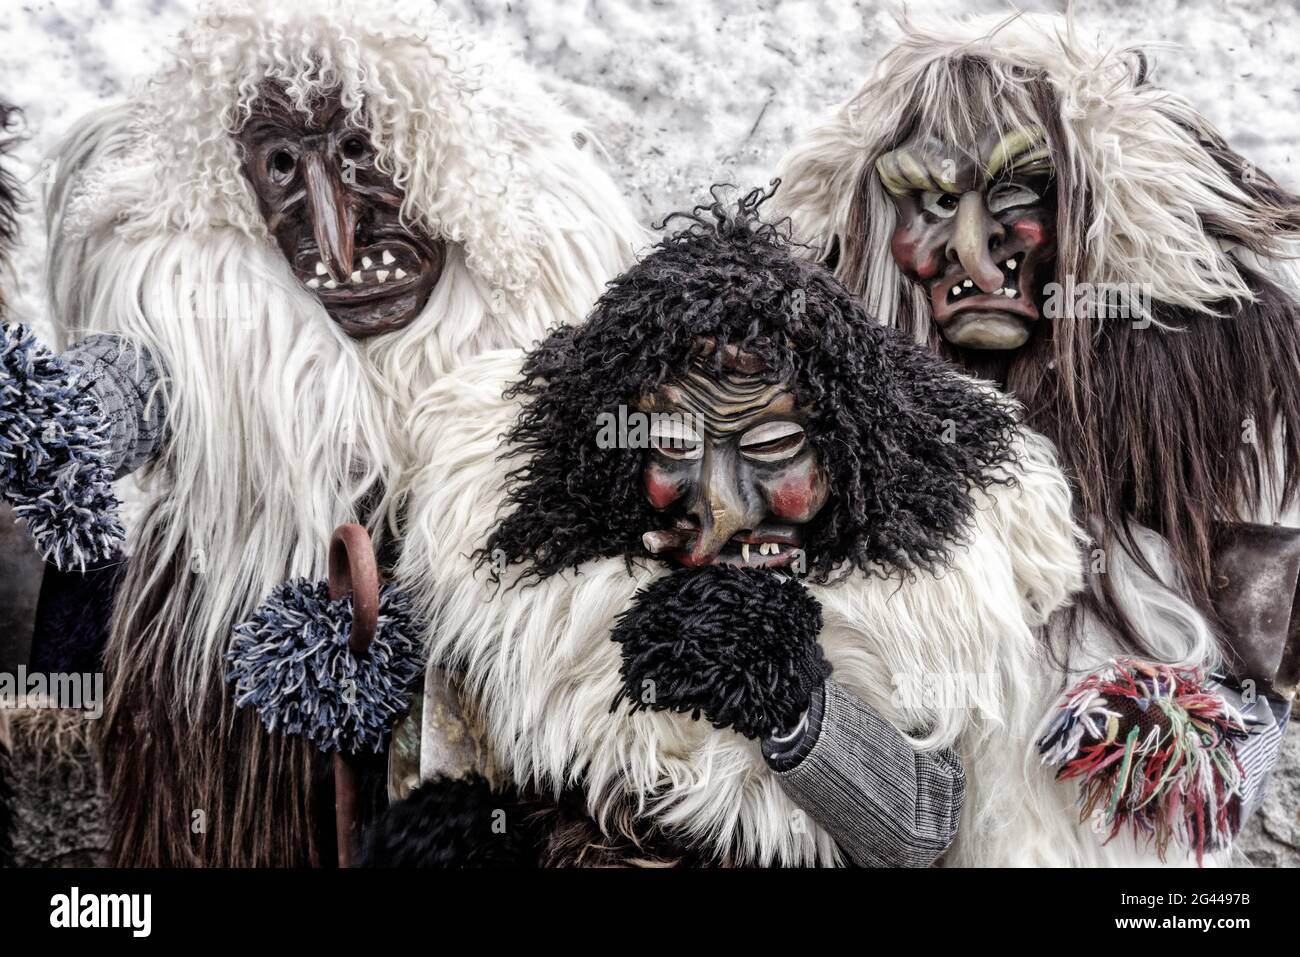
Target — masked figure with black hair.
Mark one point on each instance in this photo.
(701, 596)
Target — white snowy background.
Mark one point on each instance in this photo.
(684, 94)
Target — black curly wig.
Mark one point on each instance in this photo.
(902, 437)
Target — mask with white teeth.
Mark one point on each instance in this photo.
(730, 469)
(335, 215)
(976, 227)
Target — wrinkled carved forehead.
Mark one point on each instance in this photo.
(927, 162)
(728, 389)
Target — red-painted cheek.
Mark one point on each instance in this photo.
(661, 490)
(1031, 232)
(915, 257)
(796, 498)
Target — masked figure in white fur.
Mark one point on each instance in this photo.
(298, 225)
(1032, 206)
(734, 531)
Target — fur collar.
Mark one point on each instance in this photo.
(540, 670)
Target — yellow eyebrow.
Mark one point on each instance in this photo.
(1019, 148)
(902, 171)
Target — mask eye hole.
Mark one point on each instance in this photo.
(675, 438)
(1005, 196)
(281, 165)
(942, 205)
(773, 442)
(355, 148)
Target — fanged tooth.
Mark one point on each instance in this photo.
(744, 552)
(382, 275)
(330, 284)
(320, 269)
(1011, 264)
(313, 283)
(968, 283)
(400, 274)
(1009, 293)
(388, 258)
(367, 262)
(356, 276)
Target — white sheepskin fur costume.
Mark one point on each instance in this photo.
(540, 670)
(280, 425)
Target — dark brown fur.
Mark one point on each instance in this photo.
(571, 838)
(160, 767)
(1149, 423)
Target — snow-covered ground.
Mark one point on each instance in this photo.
(687, 93)
(683, 93)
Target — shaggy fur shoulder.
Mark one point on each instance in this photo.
(954, 659)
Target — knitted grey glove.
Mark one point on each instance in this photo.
(68, 426)
(123, 380)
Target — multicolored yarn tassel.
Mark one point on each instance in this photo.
(1152, 748)
(54, 450)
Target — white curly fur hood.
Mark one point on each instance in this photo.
(280, 426)
(463, 127)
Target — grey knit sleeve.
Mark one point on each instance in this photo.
(885, 803)
(1267, 718)
(124, 379)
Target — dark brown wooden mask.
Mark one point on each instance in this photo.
(730, 469)
(335, 215)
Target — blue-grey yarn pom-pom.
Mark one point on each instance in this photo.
(54, 449)
(291, 662)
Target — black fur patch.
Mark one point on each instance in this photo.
(453, 823)
(901, 437)
(737, 644)
(73, 615)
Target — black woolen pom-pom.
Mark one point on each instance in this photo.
(737, 644)
(54, 454)
(453, 822)
(291, 662)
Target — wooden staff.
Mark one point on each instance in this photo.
(352, 569)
